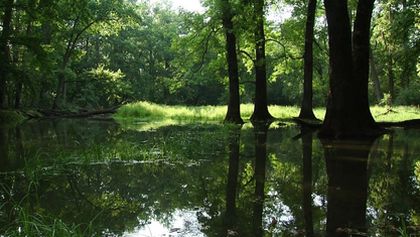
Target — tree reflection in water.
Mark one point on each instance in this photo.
(206, 180)
(307, 139)
(232, 181)
(346, 163)
(260, 176)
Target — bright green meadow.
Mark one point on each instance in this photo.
(148, 112)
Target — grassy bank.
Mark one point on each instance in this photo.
(150, 112)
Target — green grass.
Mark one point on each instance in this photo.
(398, 113)
(22, 221)
(37, 225)
(144, 112)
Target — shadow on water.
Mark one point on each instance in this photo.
(205, 180)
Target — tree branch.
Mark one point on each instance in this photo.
(206, 48)
(249, 82)
(284, 49)
(248, 55)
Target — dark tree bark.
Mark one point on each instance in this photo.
(361, 52)
(4, 149)
(348, 113)
(347, 186)
(18, 93)
(306, 110)
(233, 113)
(261, 112)
(5, 50)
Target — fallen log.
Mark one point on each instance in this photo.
(412, 123)
(79, 114)
(407, 124)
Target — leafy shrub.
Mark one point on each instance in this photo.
(409, 95)
(102, 87)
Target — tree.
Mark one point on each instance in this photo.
(233, 114)
(348, 113)
(5, 50)
(261, 112)
(306, 111)
(77, 17)
(397, 49)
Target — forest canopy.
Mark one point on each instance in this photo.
(91, 54)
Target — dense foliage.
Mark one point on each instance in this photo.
(89, 53)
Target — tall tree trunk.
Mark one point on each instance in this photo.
(306, 110)
(18, 93)
(361, 52)
(375, 78)
(5, 50)
(391, 80)
(4, 149)
(60, 99)
(348, 113)
(17, 56)
(233, 113)
(390, 50)
(260, 105)
(22, 76)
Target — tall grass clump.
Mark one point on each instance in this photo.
(147, 111)
(35, 225)
(17, 218)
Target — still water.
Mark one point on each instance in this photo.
(98, 178)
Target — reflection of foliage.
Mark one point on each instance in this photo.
(394, 194)
(97, 177)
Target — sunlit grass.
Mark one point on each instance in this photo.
(396, 113)
(145, 112)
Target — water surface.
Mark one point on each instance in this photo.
(99, 178)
